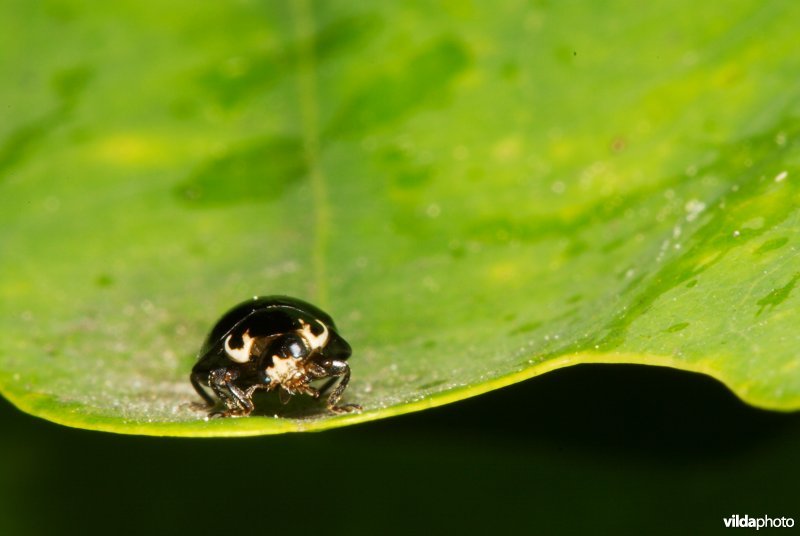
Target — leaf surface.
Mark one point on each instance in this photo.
(477, 193)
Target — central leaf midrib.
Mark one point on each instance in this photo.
(309, 114)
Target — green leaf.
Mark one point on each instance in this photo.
(478, 193)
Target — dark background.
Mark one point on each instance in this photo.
(614, 449)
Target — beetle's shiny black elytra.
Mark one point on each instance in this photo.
(271, 342)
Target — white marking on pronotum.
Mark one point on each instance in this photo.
(315, 341)
(240, 355)
(282, 370)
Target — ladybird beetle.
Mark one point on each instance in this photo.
(271, 342)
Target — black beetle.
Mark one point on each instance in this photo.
(271, 342)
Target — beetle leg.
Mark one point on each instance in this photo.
(338, 369)
(316, 371)
(236, 400)
(327, 385)
(248, 393)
